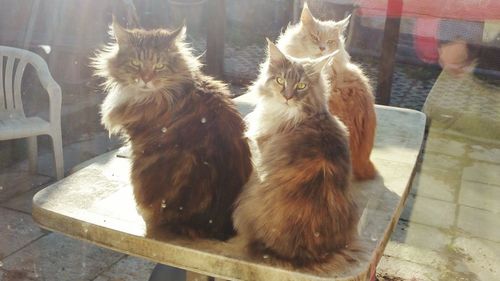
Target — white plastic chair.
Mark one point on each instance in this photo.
(13, 122)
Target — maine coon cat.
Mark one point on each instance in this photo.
(190, 158)
(297, 207)
(351, 96)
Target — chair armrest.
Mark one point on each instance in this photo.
(54, 91)
(43, 73)
(55, 97)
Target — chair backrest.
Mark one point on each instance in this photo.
(13, 62)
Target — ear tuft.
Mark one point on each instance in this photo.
(179, 33)
(342, 24)
(306, 17)
(120, 33)
(275, 55)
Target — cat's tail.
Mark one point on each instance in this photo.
(338, 263)
(364, 170)
(343, 261)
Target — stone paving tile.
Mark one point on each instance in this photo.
(13, 183)
(128, 269)
(414, 254)
(429, 211)
(59, 258)
(22, 202)
(452, 177)
(441, 161)
(432, 184)
(479, 223)
(441, 144)
(16, 231)
(421, 236)
(479, 195)
(486, 153)
(13, 275)
(407, 270)
(459, 258)
(482, 172)
(478, 256)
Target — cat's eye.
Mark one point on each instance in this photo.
(300, 86)
(314, 37)
(135, 62)
(159, 66)
(280, 80)
(330, 42)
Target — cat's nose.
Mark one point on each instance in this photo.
(146, 78)
(321, 48)
(288, 95)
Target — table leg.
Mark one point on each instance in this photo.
(163, 272)
(192, 276)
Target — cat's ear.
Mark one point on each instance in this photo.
(320, 62)
(275, 55)
(178, 34)
(306, 17)
(119, 32)
(342, 25)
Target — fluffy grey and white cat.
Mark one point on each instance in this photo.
(298, 207)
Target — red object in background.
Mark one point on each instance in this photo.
(425, 39)
(428, 13)
(471, 10)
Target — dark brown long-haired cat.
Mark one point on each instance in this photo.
(190, 158)
(298, 206)
(350, 98)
